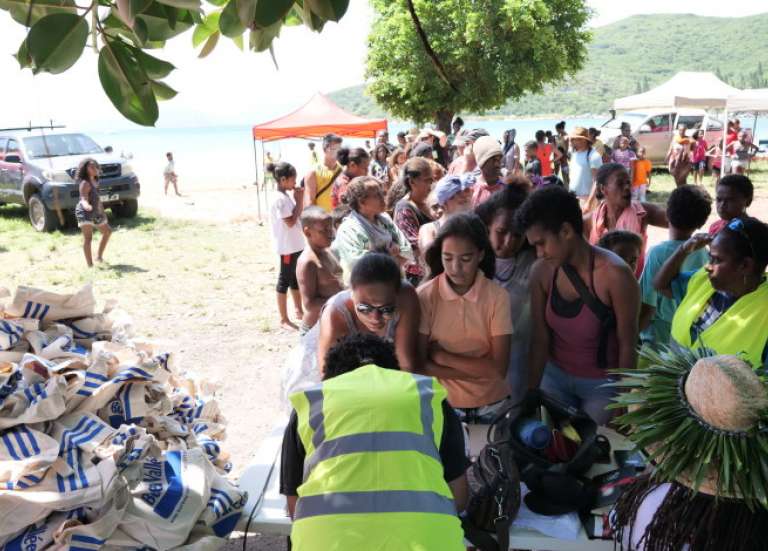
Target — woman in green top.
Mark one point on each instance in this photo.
(724, 305)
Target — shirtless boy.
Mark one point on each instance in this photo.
(318, 271)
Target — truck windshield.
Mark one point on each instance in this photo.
(634, 120)
(60, 145)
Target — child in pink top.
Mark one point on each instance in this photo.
(699, 157)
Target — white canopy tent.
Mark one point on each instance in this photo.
(749, 101)
(685, 89)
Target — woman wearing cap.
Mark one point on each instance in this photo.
(703, 417)
(368, 228)
(725, 297)
(412, 212)
(488, 155)
(585, 160)
(454, 194)
(617, 210)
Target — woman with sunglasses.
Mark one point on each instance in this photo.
(466, 324)
(368, 228)
(724, 305)
(378, 302)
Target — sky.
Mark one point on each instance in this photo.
(234, 87)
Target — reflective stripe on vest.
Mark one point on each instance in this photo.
(371, 441)
(392, 501)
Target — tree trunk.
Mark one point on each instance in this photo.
(443, 121)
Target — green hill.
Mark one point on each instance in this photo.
(632, 56)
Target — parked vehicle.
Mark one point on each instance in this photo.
(654, 129)
(37, 170)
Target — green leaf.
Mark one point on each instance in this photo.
(269, 12)
(210, 44)
(164, 22)
(23, 57)
(328, 9)
(246, 11)
(56, 42)
(204, 30)
(229, 22)
(114, 26)
(238, 40)
(191, 5)
(217, 2)
(20, 9)
(163, 91)
(126, 83)
(261, 39)
(154, 67)
(311, 19)
(293, 17)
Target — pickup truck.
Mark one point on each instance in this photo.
(37, 170)
(654, 129)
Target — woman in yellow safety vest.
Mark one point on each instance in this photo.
(724, 305)
(373, 458)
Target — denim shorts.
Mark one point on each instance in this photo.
(701, 165)
(588, 395)
(482, 415)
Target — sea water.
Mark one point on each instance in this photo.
(227, 157)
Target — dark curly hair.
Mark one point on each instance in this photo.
(376, 268)
(357, 350)
(358, 189)
(281, 170)
(616, 237)
(688, 207)
(740, 184)
(751, 242)
(550, 207)
(510, 197)
(356, 155)
(467, 226)
(82, 170)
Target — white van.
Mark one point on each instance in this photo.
(654, 129)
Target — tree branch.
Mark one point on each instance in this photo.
(428, 49)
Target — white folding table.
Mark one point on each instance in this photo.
(266, 507)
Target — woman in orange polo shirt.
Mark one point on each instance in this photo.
(466, 324)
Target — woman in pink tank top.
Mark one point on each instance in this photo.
(584, 306)
(617, 210)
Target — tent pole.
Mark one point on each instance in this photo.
(264, 180)
(725, 137)
(754, 129)
(256, 183)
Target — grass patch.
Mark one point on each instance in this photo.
(662, 183)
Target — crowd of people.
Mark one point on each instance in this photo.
(496, 269)
(462, 223)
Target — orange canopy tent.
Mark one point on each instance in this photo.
(314, 119)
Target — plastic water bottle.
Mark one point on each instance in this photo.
(534, 434)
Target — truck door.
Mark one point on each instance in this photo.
(14, 173)
(3, 169)
(655, 134)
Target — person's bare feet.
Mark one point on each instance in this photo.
(288, 324)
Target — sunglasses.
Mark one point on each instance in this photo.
(737, 225)
(367, 310)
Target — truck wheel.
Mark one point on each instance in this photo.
(42, 218)
(127, 209)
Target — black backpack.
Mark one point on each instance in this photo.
(539, 473)
(494, 495)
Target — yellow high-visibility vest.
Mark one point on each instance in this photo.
(373, 478)
(741, 329)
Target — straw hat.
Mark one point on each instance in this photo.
(702, 417)
(580, 133)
